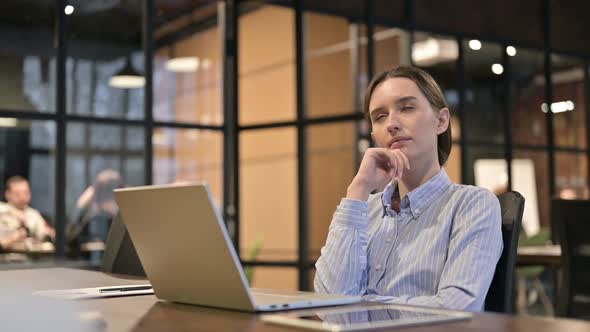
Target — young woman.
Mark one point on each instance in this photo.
(421, 239)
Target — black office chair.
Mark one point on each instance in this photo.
(500, 297)
(570, 219)
(120, 256)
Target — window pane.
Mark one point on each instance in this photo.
(27, 56)
(541, 202)
(311, 277)
(274, 277)
(438, 55)
(571, 179)
(484, 93)
(527, 93)
(188, 70)
(453, 165)
(329, 71)
(391, 48)
(27, 149)
(488, 168)
(189, 155)
(98, 52)
(569, 119)
(330, 169)
(268, 193)
(267, 65)
(104, 157)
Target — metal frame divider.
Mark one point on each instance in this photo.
(302, 165)
(546, 16)
(60, 144)
(148, 101)
(229, 12)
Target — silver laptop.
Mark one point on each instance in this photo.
(187, 254)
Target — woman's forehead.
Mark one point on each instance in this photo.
(394, 89)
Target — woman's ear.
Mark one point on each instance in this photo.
(444, 116)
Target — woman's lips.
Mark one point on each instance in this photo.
(399, 143)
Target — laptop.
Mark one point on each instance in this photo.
(187, 254)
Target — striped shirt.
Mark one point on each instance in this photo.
(440, 250)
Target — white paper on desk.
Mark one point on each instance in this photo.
(93, 292)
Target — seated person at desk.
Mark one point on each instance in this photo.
(405, 233)
(19, 221)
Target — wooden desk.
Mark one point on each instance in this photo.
(146, 313)
(539, 255)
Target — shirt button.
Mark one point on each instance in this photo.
(378, 267)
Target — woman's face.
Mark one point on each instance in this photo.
(402, 118)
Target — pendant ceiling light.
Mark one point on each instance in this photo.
(127, 78)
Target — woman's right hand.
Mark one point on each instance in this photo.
(378, 167)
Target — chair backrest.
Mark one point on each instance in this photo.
(570, 219)
(120, 256)
(500, 294)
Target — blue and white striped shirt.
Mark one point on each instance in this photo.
(441, 250)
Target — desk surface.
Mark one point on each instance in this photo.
(146, 313)
(539, 255)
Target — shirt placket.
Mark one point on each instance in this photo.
(389, 239)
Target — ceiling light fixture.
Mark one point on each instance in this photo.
(127, 78)
(559, 107)
(183, 64)
(475, 44)
(511, 50)
(497, 69)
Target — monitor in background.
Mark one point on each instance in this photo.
(120, 256)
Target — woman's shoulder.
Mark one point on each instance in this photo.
(463, 193)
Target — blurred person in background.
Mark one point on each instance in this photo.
(96, 209)
(19, 221)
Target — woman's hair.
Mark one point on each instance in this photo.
(431, 91)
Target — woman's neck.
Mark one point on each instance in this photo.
(420, 173)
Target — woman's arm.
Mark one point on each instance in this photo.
(342, 266)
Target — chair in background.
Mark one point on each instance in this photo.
(120, 256)
(530, 285)
(570, 219)
(500, 297)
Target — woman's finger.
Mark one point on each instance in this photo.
(405, 158)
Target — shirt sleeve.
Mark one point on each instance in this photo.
(474, 250)
(342, 266)
(36, 224)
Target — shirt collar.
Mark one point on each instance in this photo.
(420, 198)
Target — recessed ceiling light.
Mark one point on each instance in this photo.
(511, 50)
(474, 44)
(497, 68)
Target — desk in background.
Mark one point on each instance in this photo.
(146, 313)
(547, 255)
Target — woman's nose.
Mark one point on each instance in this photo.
(394, 124)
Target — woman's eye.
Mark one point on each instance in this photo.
(407, 108)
